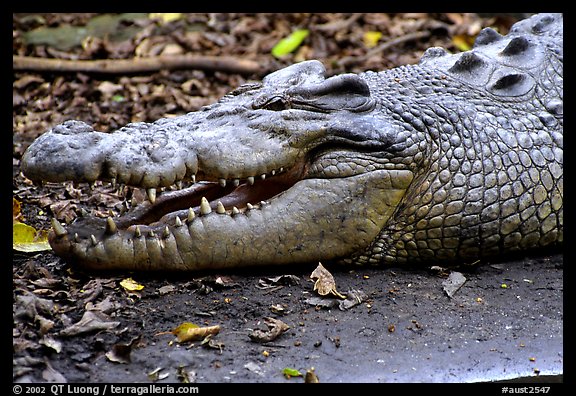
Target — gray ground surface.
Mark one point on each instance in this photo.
(408, 330)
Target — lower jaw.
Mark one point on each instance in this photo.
(316, 219)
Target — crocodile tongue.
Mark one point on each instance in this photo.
(314, 219)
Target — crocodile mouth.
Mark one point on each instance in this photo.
(225, 197)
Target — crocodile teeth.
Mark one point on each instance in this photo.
(249, 206)
(235, 210)
(220, 208)
(193, 178)
(222, 182)
(191, 215)
(166, 232)
(250, 180)
(58, 228)
(178, 222)
(205, 206)
(76, 237)
(137, 232)
(236, 182)
(110, 226)
(151, 193)
(93, 239)
(151, 234)
(263, 176)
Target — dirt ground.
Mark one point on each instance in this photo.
(398, 325)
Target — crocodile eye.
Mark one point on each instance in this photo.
(275, 104)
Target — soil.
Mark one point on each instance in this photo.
(503, 323)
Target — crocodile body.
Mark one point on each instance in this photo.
(451, 160)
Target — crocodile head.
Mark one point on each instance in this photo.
(298, 168)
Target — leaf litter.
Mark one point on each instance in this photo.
(51, 297)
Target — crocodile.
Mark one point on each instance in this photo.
(454, 159)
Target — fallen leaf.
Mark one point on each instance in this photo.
(353, 298)
(325, 283)
(165, 17)
(155, 375)
(25, 238)
(192, 332)
(91, 321)
(277, 281)
(17, 215)
(311, 377)
(290, 43)
(120, 353)
(275, 328)
(131, 285)
(371, 38)
(291, 372)
(453, 283)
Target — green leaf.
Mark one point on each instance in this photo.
(290, 43)
(290, 372)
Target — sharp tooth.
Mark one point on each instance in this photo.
(222, 182)
(151, 234)
(151, 193)
(58, 228)
(178, 222)
(273, 172)
(235, 210)
(281, 170)
(166, 232)
(250, 180)
(193, 178)
(93, 239)
(110, 226)
(220, 208)
(76, 237)
(191, 215)
(263, 176)
(179, 184)
(249, 206)
(137, 232)
(83, 212)
(205, 206)
(236, 182)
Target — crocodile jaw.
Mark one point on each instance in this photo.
(316, 219)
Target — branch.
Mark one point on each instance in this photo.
(137, 65)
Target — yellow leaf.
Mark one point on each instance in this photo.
(130, 284)
(463, 42)
(371, 38)
(25, 238)
(191, 332)
(165, 17)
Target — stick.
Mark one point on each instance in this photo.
(137, 65)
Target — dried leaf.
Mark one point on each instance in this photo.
(275, 328)
(165, 17)
(311, 377)
(25, 238)
(120, 353)
(325, 283)
(192, 332)
(17, 216)
(131, 285)
(453, 283)
(91, 321)
(277, 281)
(371, 38)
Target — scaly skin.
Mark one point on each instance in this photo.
(454, 159)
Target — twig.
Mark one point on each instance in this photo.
(352, 60)
(137, 65)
